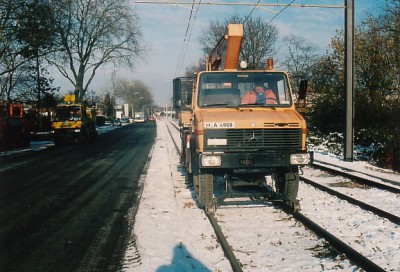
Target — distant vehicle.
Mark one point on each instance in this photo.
(117, 122)
(108, 121)
(16, 124)
(125, 120)
(140, 117)
(73, 120)
(152, 119)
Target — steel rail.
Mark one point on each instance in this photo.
(358, 179)
(353, 255)
(393, 218)
(236, 267)
(325, 164)
(230, 255)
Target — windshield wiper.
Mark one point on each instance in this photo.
(258, 105)
(215, 105)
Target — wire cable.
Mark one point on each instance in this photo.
(186, 39)
(248, 16)
(276, 15)
(190, 33)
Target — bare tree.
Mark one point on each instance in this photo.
(300, 56)
(258, 43)
(10, 60)
(135, 93)
(210, 36)
(92, 33)
(8, 22)
(26, 35)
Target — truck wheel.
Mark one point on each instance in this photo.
(195, 179)
(183, 148)
(205, 194)
(287, 183)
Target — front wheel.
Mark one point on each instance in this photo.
(205, 191)
(287, 183)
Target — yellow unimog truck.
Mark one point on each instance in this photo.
(254, 147)
(73, 121)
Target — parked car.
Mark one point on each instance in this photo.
(117, 122)
(125, 120)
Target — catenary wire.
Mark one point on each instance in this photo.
(186, 39)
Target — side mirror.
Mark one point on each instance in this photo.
(303, 89)
(301, 100)
(177, 93)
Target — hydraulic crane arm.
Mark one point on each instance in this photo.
(225, 55)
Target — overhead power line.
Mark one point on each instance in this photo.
(248, 16)
(240, 4)
(188, 33)
(276, 15)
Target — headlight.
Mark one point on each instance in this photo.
(77, 130)
(211, 160)
(300, 159)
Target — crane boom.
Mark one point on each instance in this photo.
(225, 55)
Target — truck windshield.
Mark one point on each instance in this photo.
(67, 113)
(234, 89)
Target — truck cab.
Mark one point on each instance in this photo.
(243, 127)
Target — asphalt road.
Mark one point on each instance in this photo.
(65, 208)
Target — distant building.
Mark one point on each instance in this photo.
(118, 111)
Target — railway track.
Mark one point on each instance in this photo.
(382, 184)
(340, 246)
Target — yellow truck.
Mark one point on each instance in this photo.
(241, 129)
(73, 121)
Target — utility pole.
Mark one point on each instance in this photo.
(349, 80)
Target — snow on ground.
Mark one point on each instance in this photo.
(375, 237)
(172, 234)
(358, 166)
(375, 197)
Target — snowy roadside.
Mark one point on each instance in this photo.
(171, 233)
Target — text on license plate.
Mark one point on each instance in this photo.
(216, 125)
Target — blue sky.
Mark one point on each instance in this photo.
(164, 26)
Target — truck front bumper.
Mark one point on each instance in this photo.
(66, 133)
(254, 160)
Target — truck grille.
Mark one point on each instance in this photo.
(255, 139)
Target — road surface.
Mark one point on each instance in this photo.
(65, 209)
